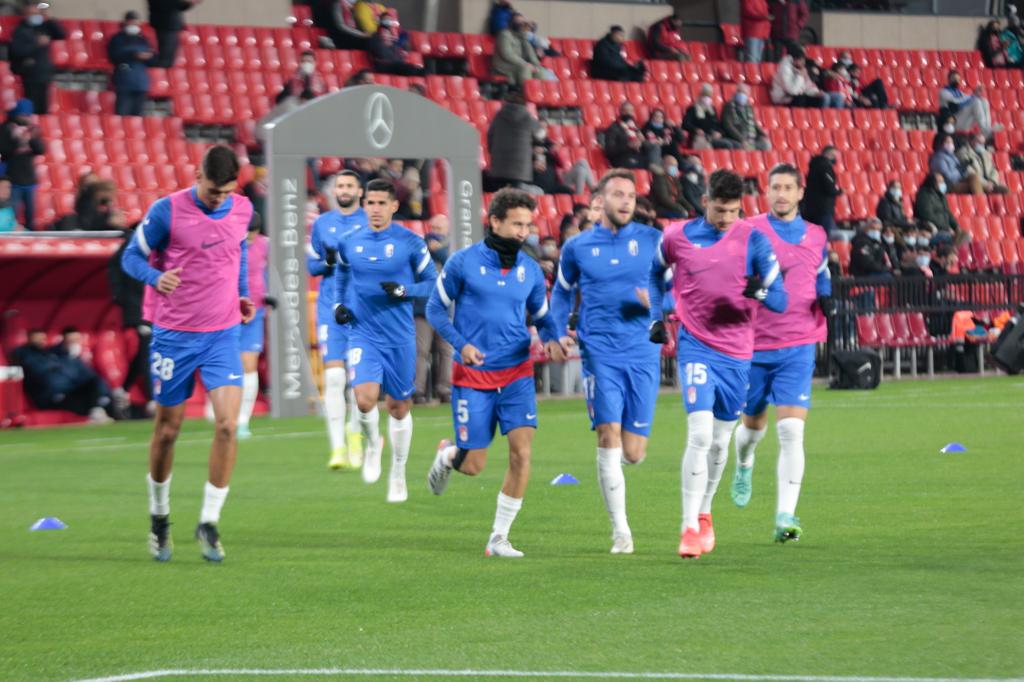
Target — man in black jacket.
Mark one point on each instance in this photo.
(57, 378)
(20, 143)
(867, 255)
(890, 209)
(610, 60)
(30, 53)
(167, 19)
(130, 53)
(820, 196)
(127, 293)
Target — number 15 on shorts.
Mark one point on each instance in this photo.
(695, 374)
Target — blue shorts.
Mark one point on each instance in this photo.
(250, 338)
(618, 394)
(711, 381)
(781, 377)
(333, 339)
(476, 412)
(393, 368)
(175, 356)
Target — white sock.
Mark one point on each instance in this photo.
(353, 410)
(334, 405)
(791, 463)
(159, 496)
(505, 513)
(613, 487)
(699, 433)
(448, 454)
(369, 424)
(718, 457)
(250, 389)
(213, 500)
(400, 432)
(746, 443)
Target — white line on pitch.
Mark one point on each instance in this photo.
(570, 674)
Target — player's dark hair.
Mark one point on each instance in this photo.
(4, 178)
(379, 185)
(786, 169)
(348, 173)
(505, 199)
(623, 173)
(256, 222)
(724, 185)
(220, 165)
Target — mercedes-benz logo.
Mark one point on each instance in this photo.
(380, 120)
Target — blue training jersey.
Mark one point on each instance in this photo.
(793, 232)
(366, 258)
(490, 306)
(609, 267)
(327, 229)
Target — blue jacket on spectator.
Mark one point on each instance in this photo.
(51, 374)
(130, 72)
(500, 17)
(947, 164)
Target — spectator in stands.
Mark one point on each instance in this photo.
(95, 207)
(914, 265)
(570, 230)
(577, 176)
(788, 20)
(167, 17)
(909, 242)
(433, 354)
(644, 213)
(20, 142)
(870, 96)
(665, 41)
(694, 184)
(500, 16)
(662, 132)
(970, 110)
(889, 244)
(792, 84)
(943, 160)
(946, 262)
(57, 379)
(30, 53)
(338, 19)
(572, 220)
(388, 56)
(549, 253)
(545, 175)
(127, 293)
(610, 61)
(541, 44)
(305, 84)
(755, 27)
(510, 143)
(360, 77)
(740, 124)
(256, 191)
(991, 45)
(368, 15)
(8, 221)
(1013, 38)
(867, 254)
(514, 56)
(666, 192)
(624, 144)
(410, 193)
(931, 210)
(838, 89)
(701, 123)
(821, 190)
(890, 208)
(977, 159)
(130, 53)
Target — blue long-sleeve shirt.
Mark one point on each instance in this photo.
(793, 232)
(327, 229)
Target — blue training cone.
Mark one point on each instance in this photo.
(48, 523)
(565, 479)
(953, 447)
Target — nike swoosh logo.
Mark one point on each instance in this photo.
(234, 376)
(531, 416)
(640, 425)
(210, 245)
(697, 473)
(804, 397)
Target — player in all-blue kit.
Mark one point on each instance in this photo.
(380, 270)
(621, 367)
(785, 345)
(321, 260)
(191, 248)
(492, 285)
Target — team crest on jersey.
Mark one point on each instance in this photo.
(156, 387)
(595, 252)
(634, 247)
(483, 270)
(359, 249)
(521, 273)
(389, 250)
(463, 433)
(691, 395)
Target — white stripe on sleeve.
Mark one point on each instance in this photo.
(561, 280)
(442, 293)
(542, 312)
(141, 238)
(773, 274)
(423, 263)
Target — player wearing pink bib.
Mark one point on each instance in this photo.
(724, 270)
(784, 349)
(252, 333)
(191, 249)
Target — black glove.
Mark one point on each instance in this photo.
(755, 288)
(270, 302)
(332, 256)
(658, 332)
(827, 305)
(393, 289)
(574, 320)
(343, 315)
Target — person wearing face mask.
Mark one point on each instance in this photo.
(624, 142)
(870, 96)
(694, 185)
(388, 55)
(305, 85)
(662, 132)
(666, 192)
(889, 246)
(890, 208)
(130, 53)
(740, 124)
(838, 90)
(867, 252)
(959, 179)
(702, 124)
(977, 159)
(931, 210)
(30, 53)
(822, 190)
(969, 108)
(20, 143)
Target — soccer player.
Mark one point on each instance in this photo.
(381, 269)
(333, 337)
(723, 269)
(492, 286)
(195, 240)
(252, 332)
(621, 367)
(784, 349)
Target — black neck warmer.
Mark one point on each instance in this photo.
(507, 249)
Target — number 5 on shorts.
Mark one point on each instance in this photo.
(462, 411)
(162, 367)
(696, 374)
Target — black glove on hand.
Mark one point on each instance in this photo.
(343, 315)
(332, 256)
(270, 302)
(393, 289)
(658, 332)
(574, 319)
(755, 288)
(827, 305)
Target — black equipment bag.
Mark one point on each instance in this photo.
(856, 369)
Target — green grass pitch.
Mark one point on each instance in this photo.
(911, 564)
